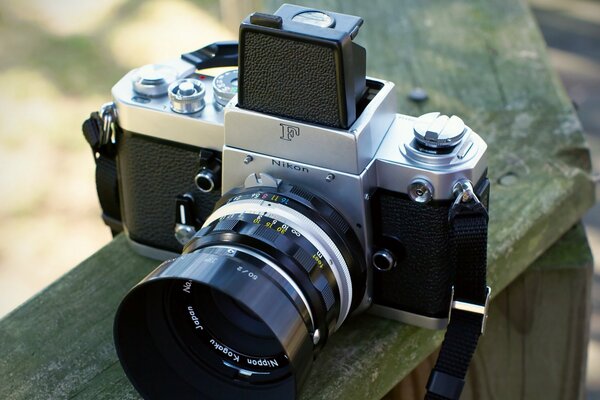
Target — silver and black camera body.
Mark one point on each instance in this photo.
(161, 139)
(295, 214)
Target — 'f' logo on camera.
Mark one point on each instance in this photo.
(288, 132)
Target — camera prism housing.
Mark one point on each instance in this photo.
(289, 222)
(303, 64)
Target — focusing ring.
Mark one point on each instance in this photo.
(326, 217)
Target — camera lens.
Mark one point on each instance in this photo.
(242, 312)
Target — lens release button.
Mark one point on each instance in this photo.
(384, 260)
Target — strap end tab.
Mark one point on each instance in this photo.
(445, 385)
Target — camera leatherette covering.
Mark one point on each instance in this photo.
(152, 173)
(420, 282)
(290, 78)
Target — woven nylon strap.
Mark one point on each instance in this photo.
(107, 184)
(469, 227)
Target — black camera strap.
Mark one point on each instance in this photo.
(97, 130)
(469, 227)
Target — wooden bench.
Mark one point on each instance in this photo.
(484, 61)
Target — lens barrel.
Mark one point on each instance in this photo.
(252, 300)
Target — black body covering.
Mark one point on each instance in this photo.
(152, 173)
(419, 235)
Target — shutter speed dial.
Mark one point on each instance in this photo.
(225, 87)
(438, 140)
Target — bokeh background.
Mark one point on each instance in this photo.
(58, 61)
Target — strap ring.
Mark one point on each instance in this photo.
(108, 114)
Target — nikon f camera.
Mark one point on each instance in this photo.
(286, 196)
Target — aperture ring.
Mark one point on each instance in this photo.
(305, 254)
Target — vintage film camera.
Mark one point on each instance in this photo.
(300, 201)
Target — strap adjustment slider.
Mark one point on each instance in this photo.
(474, 308)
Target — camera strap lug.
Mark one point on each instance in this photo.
(98, 131)
(468, 219)
(108, 114)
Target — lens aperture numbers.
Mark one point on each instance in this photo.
(245, 271)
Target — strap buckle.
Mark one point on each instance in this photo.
(472, 307)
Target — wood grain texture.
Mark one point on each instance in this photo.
(536, 343)
(483, 60)
(59, 344)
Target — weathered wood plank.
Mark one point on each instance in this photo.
(469, 55)
(49, 348)
(61, 339)
(540, 351)
(484, 60)
(536, 344)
